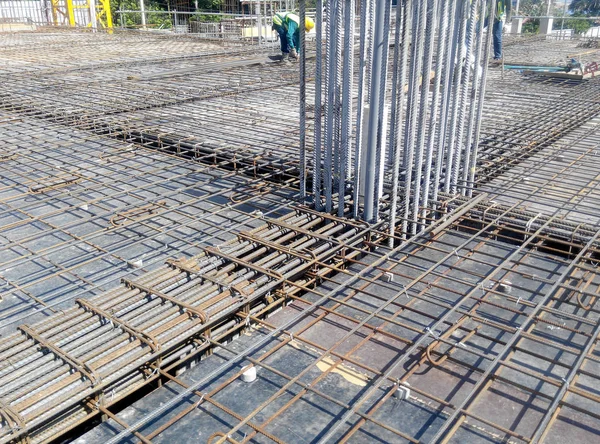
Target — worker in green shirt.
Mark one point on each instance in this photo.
(287, 26)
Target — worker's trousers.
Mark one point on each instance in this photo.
(283, 41)
(497, 30)
(497, 33)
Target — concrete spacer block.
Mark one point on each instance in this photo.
(403, 392)
(249, 375)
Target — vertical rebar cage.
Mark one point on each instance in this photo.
(417, 110)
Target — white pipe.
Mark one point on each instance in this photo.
(93, 18)
(143, 9)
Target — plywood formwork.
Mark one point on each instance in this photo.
(456, 324)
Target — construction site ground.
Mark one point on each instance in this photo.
(138, 172)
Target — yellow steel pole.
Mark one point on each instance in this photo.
(107, 11)
(55, 12)
(105, 15)
(70, 12)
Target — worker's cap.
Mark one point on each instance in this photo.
(309, 24)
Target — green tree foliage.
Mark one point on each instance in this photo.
(577, 8)
(208, 6)
(158, 19)
(579, 26)
(133, 20)
(535, 8)
(531, 26)
(585, 7)
(538, 8)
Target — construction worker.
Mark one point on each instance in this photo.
(287, 26)
(502, 10)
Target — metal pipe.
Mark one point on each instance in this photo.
(474, 99)
(447, 70)
(370, 46)
(442, 49)
(429, 29)
(374, 127)
(337, 110)
(93, 18)
(453, 146)
(381, 134)
(365, 6)
(418, 31)
(332, 17)
(488, 48)
(143, 9)
(463, 91)
(396, 103)
(403, 27)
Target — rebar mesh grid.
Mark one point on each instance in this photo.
(564, 172)
(158, 100)
(34, 53)
(490, 316)
(529, 122)
(56, 374)
(457, 335)
(78, 212)
(227, 106)
(538, 50)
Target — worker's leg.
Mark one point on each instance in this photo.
(293, 35)
(297, 40)
(497, 33)
(283, 40)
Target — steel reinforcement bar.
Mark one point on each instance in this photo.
(61, 372)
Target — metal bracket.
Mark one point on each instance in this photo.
(11, 414)
(54, 184)
(180, 266)
(298, 230)
(7, 157)
(182, 305)
(144, 337)
(252, 238)
(75, 363)
(448, 333)
(136, 214)
(271, 273)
